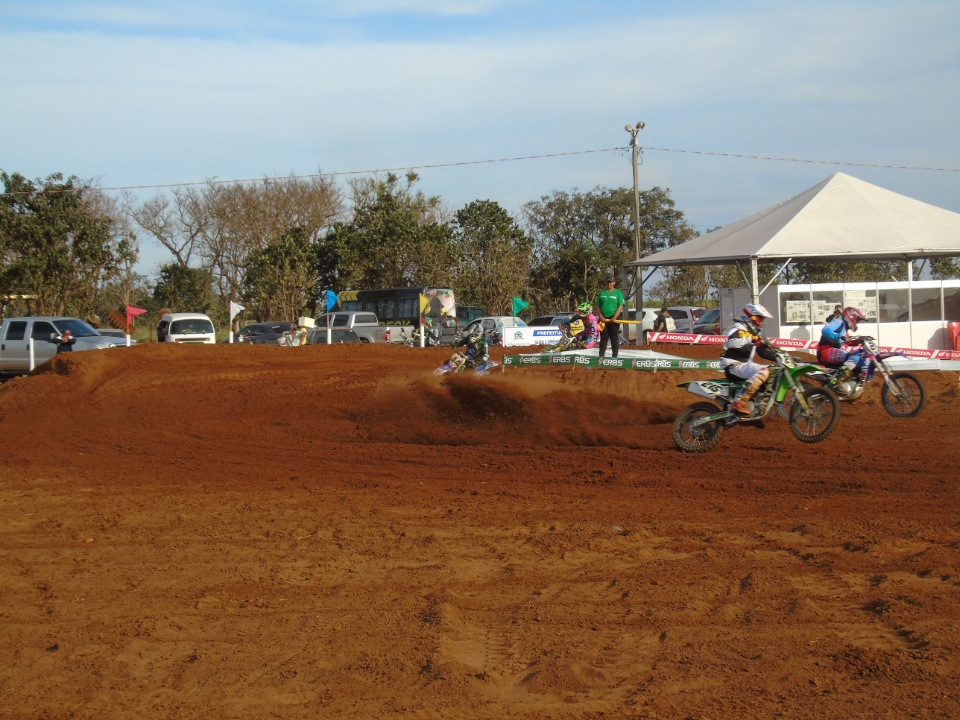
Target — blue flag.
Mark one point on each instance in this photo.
(332, 300)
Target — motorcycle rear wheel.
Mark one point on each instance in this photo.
(816, 424)
(701, 439)
(908, 398)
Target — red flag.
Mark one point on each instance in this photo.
(132, 312)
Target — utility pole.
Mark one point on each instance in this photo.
(634, 130)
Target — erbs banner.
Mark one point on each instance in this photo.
(622, 363)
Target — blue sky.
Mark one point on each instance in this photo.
(135, 94)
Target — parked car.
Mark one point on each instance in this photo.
(708, 323)
(544, 320)
(318, 336)
(115, 333)
(685, 316)
(649, 315)
(44, 332)
(264, 333)
(190, 328)
(493, 326)
(467, 313)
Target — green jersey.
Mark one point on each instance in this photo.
(608, 301)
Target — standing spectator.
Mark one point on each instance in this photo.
(660, 322)
(837, 312)
(66, 342)
(609, 304)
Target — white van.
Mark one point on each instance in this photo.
(186, 328)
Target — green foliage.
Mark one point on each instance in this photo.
(683, 285)
(945, 268)
(495, 257)
(579, 237)
(185, 289)
(865, 271)
(58, 241)
(284, 279)
(396, 238)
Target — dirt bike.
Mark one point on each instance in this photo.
(431, 338)
(813, 412)
(902, 393)
(459, 362)
(567, 342)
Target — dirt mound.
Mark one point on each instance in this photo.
(253, 532)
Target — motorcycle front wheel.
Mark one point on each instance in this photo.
(699, 439)
(903, 396)
(814, 424)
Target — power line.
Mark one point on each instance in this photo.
(518, 158)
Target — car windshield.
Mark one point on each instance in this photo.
(710, 316)
(77, 328)
(197, 326)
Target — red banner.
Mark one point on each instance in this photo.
(793, 344)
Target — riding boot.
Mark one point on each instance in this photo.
(749, 390)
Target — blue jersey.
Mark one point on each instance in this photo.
(833, 331)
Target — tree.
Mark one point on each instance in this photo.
(184, 289)
(945, 268)
(683, 285)
(59, 240)
(397, 238)
(281, 279)
(495, 256)
(218, 225)
(580, 237)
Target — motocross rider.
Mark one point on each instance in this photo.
(478, 351)
(744, 340)
(833, 338)
(590, 334)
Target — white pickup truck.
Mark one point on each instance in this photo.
(364, 324)
(16, 334)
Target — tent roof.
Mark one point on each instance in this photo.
(842, 218)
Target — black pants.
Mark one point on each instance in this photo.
(611, 332)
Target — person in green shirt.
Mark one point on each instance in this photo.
(609, 304)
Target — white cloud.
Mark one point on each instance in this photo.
(864, 82)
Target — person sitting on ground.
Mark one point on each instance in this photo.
(833, 349)
(744, 340)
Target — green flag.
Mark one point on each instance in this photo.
(519, 305)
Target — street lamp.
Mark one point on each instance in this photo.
(634, 130)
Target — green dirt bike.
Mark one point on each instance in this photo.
(568, 340)
(813, 410)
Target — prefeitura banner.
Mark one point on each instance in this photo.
(622, 363)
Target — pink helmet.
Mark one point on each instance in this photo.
(851, 316)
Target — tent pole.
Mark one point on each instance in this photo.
(754, 281)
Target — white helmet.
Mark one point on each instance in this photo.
(753, 315)
(475, 333)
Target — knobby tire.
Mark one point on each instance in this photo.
(699, 440)
(912, 397)
(818, 423)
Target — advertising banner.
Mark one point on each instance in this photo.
(805, 345)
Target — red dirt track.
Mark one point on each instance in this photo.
(334, 532)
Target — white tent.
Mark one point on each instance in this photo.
(842, 218)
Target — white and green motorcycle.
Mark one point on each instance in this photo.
(811, 410)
